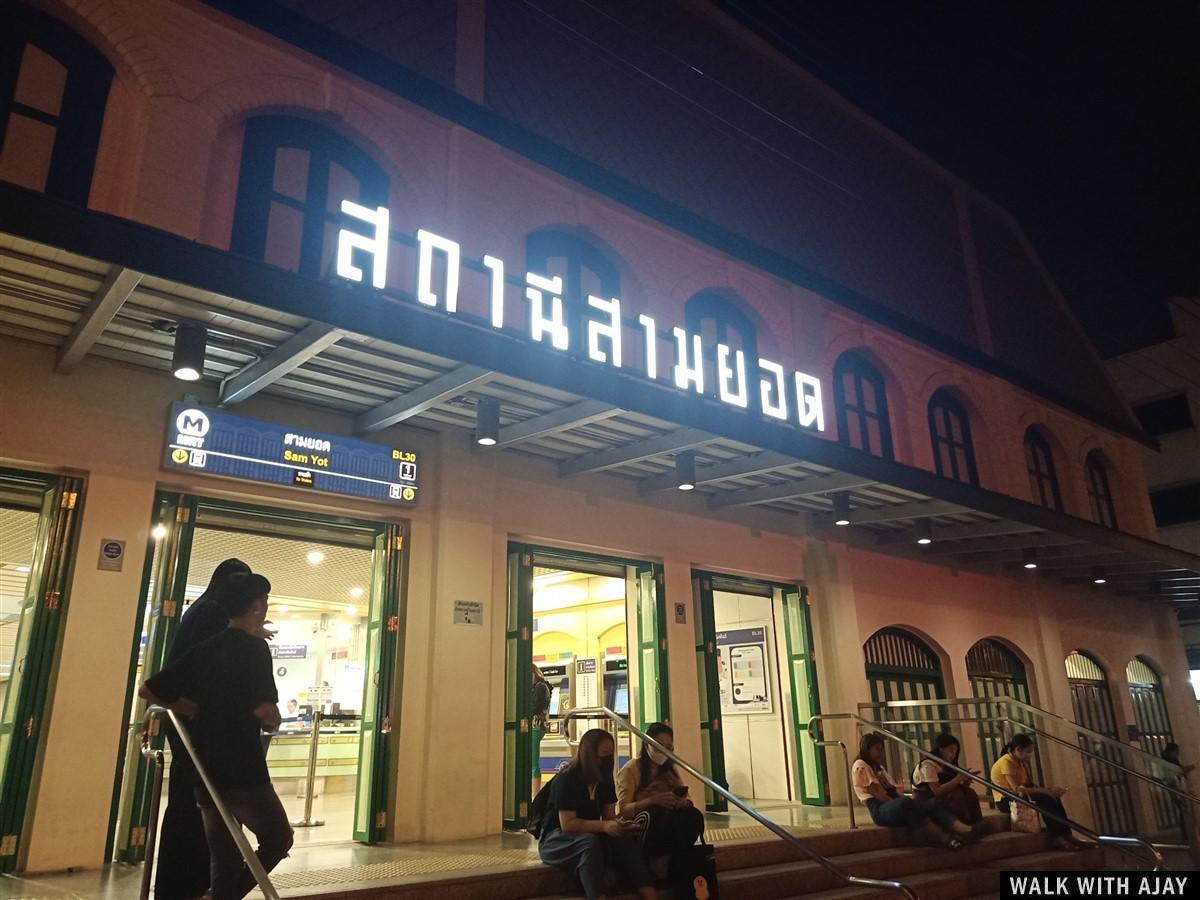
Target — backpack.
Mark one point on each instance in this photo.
(538, 809)
(542, 693)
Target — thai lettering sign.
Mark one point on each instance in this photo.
(788, 396)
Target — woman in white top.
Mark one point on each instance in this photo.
(942, 785)
(875, 788)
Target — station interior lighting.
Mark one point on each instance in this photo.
(187, 360)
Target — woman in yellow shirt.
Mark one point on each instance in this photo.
(1011, 772)
(652, 794)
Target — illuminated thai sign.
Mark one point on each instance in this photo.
(787, 396)
(213, 441)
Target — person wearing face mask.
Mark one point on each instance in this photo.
(581, 833)
(1011, 772)
(651, 793)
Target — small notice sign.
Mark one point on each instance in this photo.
(468, 612)
(112, 555)
(680, 613)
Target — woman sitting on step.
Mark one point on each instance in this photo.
(939, 784)
(581, 833)
(875, 788)
(1011, 772)
(652, 794)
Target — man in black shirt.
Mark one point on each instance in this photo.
(183, 862)
(227, 686)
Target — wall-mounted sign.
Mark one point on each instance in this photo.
(289, 651)
(742, 671)
(112, 555)
(468, 612)
(220, 443)
(602, 332)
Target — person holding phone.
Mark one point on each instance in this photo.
(651, 793)
(581, 833)
(1011, 772)
(938, 783)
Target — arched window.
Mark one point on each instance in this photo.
(950, 431)
(718, 320)
(861, 401)
(295, 175)
(1039, 462)
(1099, 491)
(53, 88)
(995, 671)
(584, 268)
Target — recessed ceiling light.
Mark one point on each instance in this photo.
(282, 609)
(158, 532)
(356, 592)
(315, 557)
(351, 610)
(22, 569)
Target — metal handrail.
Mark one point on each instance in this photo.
(235, 829)
(1150, 758)
(849, 782)
(1121, 843)
(1026, 726)
(157, 759)
(603, 712)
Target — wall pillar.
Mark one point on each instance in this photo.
(681, 667)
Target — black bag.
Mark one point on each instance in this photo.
(538, 809)
(693, 873)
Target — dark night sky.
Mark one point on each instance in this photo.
(1080, 118)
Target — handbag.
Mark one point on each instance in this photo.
(693, 873)
(1024, 818)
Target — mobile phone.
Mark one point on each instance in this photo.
(680, 791)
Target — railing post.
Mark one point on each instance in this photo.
(311, 778)
(152, 823)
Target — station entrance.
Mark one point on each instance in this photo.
(335, 610)
(593, 628)
(758, 690)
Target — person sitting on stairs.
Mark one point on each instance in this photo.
(938, 783)
(888, 808)
(1011, 772)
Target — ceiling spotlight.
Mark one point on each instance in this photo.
(315, 557)
(924, 532)
(487, 422)
(356, 592)
(685, 470)
(1098, 576)
(187, 362)
(1029, 558)
(841, 508)
(158, 532)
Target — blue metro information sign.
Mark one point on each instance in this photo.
(202, 439)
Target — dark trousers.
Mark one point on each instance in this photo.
(589, 856)
(962, 803)
(182, 872)
(904, 812)
(1049, 804)
(258, 808)
(669, 831)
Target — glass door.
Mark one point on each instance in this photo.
(712, 746)
(810, 759)
(38, 526)
(654, 689)
(518, 696)
(384, 640)
(163, 585)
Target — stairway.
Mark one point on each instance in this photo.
(768, 869)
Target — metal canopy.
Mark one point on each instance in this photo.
(272, 331)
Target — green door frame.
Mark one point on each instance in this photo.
(650, 641)
(167, 561)
(807, 760)
(39, 633)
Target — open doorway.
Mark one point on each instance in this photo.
(758, 690)
(334, 608)
(591, 626)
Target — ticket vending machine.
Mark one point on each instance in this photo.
(555, 751)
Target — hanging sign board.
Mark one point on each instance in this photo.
(742, 671)
(219, 443)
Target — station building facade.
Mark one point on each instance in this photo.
(399, 237)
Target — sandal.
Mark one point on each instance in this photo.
(953, 843)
